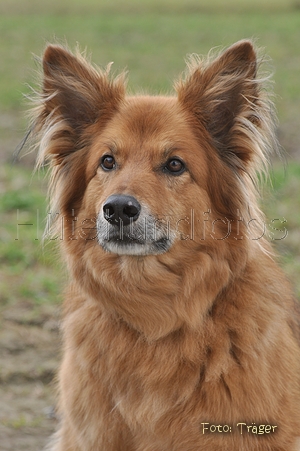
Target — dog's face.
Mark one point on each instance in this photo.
(144, 180)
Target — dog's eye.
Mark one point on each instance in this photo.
(108, 163)
(174, 166)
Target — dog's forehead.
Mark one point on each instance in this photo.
(147, 117)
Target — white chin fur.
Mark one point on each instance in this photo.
(135, 248)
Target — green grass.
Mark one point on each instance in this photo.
(150, 38)
(282, 203)
(30, 275)
(143, 6)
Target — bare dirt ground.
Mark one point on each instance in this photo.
(29, 353)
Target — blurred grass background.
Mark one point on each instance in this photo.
(151, 38)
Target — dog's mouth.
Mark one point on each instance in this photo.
(133, 246)
(125, 228)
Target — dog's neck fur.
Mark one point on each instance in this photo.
(154, 294)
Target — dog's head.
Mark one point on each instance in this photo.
(133, 171)
(151, 195)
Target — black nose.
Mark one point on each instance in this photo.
(119, 207)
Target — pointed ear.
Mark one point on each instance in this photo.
(220, 92)
(76, 92)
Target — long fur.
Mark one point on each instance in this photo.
(159, 346)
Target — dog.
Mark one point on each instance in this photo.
(180, 330)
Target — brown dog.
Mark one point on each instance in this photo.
(180, 331)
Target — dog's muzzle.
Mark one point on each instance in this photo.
(125, 227)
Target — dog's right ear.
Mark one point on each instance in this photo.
(74, 96)
(75, 90)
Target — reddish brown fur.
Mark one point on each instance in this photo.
(155, 345)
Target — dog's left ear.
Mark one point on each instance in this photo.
(220, 92)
